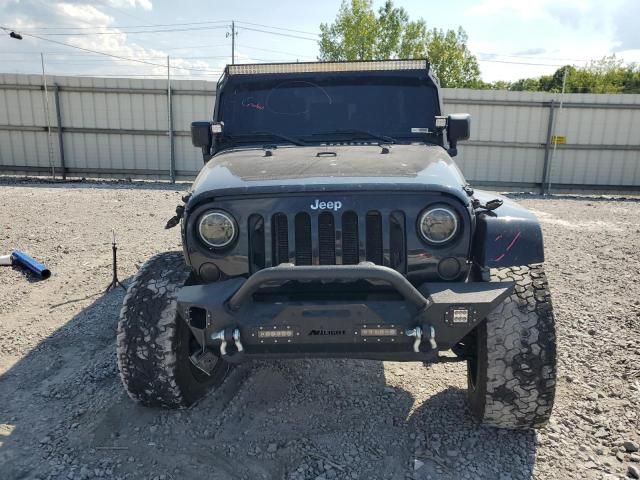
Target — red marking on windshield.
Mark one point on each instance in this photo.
(247, 103)
(257, 106)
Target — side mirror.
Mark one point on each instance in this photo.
(458, 128)
(201, 135)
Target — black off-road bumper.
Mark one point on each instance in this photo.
(249, 318)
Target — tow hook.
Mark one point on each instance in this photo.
(236, 340)
(419, 334)
(226, 336)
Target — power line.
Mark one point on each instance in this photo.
(81, 34)
(98, 61)
(204, 57)
(128, 26)
(246, 28)
(198, 46)
(522, 63)
(88, 54)
(533, 57)
(278, 28)
(279, 34)
(128, 59)
(102, 60)
(492, 55)
(209, 22)
(87, 49)
(274, 51)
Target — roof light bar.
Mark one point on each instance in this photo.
(314, 67)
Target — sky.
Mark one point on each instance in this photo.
(512, 39)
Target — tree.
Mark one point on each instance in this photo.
(358, 33)
(525, 84)
(454, 64)
(631, 80)
(606, 75)
(353, 35)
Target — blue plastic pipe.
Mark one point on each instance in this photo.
(24, 260)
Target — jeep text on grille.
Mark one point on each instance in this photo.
(318, 205)
(331, 223)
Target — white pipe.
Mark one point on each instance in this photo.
(5, 260)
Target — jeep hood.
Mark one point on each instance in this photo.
(292, 169)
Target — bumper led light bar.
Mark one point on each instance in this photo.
(275, 333)
(379, 332)
(315, 67)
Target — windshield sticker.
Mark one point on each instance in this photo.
(419, 130)
(249, 103)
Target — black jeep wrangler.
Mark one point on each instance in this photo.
(330, 220)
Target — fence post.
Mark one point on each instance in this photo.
(172, 160)
(547, 149)
(56, 92)
(46, 112)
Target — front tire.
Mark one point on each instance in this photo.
(512, 372)
(154, 343)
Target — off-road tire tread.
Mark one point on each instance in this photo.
(520, 354)
(150, 359)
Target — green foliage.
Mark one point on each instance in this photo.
(358, 33)
(607, 75)
(354, 34)
(450, 58)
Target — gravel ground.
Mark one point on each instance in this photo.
(64, 414)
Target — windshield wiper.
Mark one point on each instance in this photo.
(286, 138)
(379, 136)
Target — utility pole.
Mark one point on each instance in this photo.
(233, 41)
(172, 160)
(46, 111)
(555, 143)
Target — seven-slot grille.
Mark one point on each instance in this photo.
(328, 238)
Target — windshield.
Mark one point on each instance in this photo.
(330, 108)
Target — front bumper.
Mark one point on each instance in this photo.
(412, 324)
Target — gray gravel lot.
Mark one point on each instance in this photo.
(64, 414)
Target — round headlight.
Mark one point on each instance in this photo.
(438, 224)
(217, 229)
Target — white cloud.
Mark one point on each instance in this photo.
(625, 25)
(144, 4)
(551, 32)
(80, 14)
(83, 13)
(525, 9)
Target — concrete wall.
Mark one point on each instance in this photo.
(120, 128)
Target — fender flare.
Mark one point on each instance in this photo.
(509, 236)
